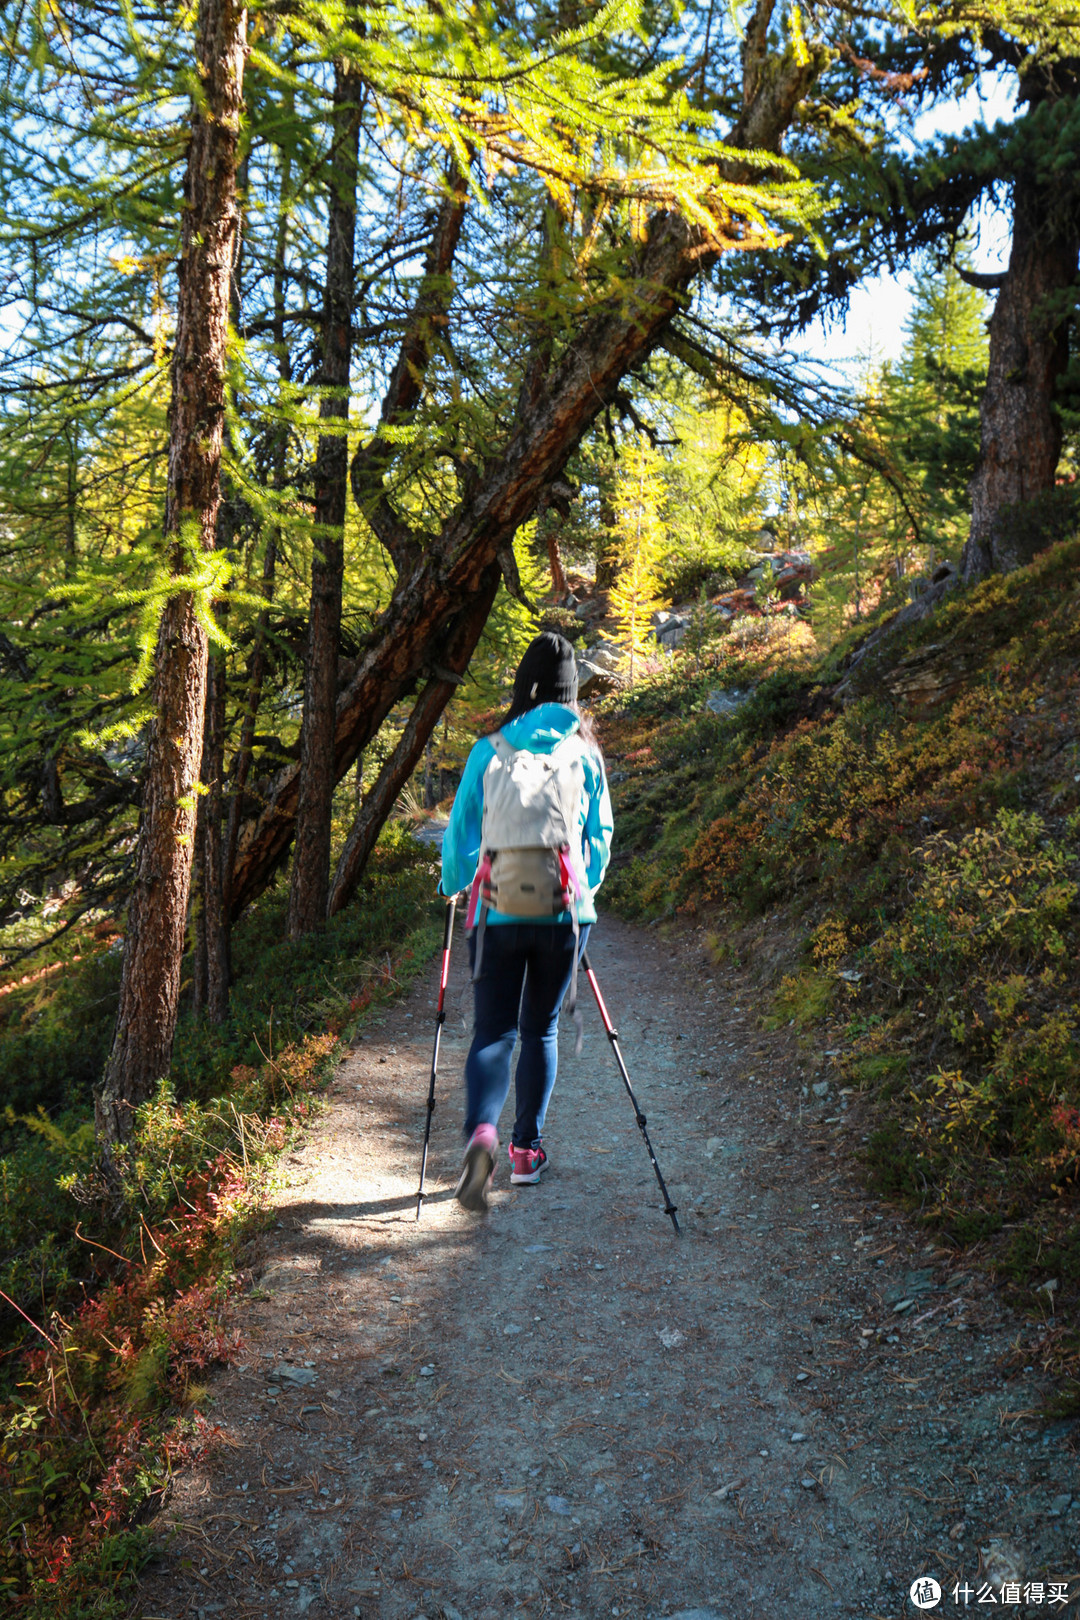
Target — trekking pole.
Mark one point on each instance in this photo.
(613, 1037)
(440, 1019)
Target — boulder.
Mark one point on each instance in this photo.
(672, 632)
(606, 656)
(735, 602)
(592, 680)
(723, 701)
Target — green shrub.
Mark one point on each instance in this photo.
(998, 894)
(802, 999)
(55, 1033)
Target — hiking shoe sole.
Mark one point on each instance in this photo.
(471, 1191)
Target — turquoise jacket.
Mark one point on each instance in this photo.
(539, 730)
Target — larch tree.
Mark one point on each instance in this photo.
(311, 859)
(157, 911)
(539, 209)
(894, 196)
(638, 498)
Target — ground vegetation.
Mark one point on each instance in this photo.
(907, 807)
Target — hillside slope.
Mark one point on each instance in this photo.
(889, 843)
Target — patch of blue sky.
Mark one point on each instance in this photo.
(873, 329)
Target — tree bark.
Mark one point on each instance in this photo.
(438, 580)
(154, 938)
(1020, 431)
(245, 751)
(214, 920)
(311, 861)
(559, 585)
(382, 795)
(256, 673)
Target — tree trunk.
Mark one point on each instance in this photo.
(382, 795)
(559, 585)
(607, 559)
(435, 583)
(256, 673)
(311, 859)
(423, 331)
(71, 547)
(439, 578)
(1020, 438)
(197, 941)
(213, 913)
(430, 796)
(154, 939)
(245, 751)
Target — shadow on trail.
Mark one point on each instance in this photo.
(340, 1213)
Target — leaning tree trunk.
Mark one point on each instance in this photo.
(311, 860)
(381, 797)
(439, 578)
(436, 583)
(1020, 431)
(154, 938)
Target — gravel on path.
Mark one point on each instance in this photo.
(562, 1409)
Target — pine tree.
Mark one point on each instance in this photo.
(639, 494)
(930, 403)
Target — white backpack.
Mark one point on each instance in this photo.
(530, 841)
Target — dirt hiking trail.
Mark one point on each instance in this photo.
(793, 1410)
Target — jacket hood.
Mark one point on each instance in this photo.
(541, 729)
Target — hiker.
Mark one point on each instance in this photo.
(530, 832)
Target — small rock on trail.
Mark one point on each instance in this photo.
(734, 1424)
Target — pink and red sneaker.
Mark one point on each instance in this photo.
(526, 1164)
(477, 1169)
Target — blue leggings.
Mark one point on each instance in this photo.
(524, 975)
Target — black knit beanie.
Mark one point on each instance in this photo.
(547, 673)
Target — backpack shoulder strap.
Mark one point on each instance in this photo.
(502, 748)
(573, 742)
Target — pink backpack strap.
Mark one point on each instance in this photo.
(483, 875)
